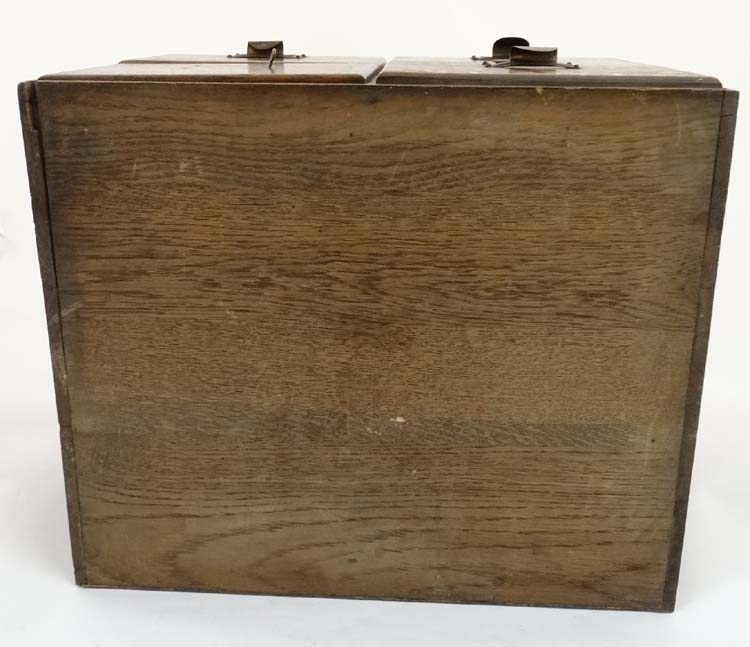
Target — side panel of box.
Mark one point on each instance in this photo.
(715, 223)
(45, 249)
(424, 343)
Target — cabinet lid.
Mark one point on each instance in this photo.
(513, 62)
(264, 62)
(584, 72)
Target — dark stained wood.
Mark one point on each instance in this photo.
(40, 210)
(702, 329)
(378, 341)
(593, 72)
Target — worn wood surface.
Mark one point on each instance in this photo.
(379, 341)
(308, 70)
(593, 72)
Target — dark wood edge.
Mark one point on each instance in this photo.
(32, 140)
(722, 164)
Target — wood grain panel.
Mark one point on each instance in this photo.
(379, 341)
(308, 70)
(591, 72)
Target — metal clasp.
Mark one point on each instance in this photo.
(268, 50)
(512, 51)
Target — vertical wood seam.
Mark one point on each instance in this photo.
(45, 251)
(714, 224)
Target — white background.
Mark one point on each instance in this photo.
(40, 605)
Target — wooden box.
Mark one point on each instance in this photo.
(431, 331)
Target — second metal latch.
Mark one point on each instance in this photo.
(516, 52)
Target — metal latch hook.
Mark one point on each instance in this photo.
(512, 51)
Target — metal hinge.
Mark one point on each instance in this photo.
(266, 50)
(512, 51)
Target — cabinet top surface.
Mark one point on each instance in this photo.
(585, 72)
